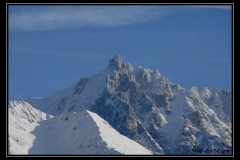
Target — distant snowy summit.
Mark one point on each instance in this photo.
(144, 106)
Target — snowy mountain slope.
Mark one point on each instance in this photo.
(147, 107)
(85, 94)
(70, 99)
(22, 119)
(218, 100)
(33, 132)
(192, 124)
(82, 133)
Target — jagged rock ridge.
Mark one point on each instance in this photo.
(147, 107)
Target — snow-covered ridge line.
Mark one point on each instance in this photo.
(22, 120)
(33, 132)
(148, 108)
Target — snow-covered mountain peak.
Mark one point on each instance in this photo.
(117, 58)
(22, 109)
(148, 108)
(115, 62)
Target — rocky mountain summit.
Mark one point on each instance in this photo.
(148, 108)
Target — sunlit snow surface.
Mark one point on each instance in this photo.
(34, 132)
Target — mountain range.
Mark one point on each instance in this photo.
(123, 110)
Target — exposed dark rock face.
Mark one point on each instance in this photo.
(147, 107)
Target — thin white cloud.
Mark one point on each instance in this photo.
(61, 18)
(226, 7)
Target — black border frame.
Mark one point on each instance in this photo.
(89, 3)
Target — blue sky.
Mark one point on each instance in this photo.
(52, 47)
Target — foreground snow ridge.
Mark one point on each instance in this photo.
(69, 133)
(113, 139)
(22, 120)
